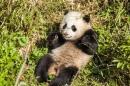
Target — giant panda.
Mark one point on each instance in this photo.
(73, 47)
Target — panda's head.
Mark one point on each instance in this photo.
(74, 25)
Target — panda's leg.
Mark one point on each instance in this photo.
(64, 77)
(42, 68)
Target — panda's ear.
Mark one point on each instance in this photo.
(86, 18)
(66, 11)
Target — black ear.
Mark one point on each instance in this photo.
(86, 18)
(66, 11)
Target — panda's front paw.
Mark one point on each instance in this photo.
(86, 40)
(53, 38)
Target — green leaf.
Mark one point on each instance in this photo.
(128, 66)
(21, 43)
(51, 76)
(115, 60)
(119, 65)
(101, 73)
(23, 40)
(123, 65)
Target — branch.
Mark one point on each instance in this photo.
(23, 65)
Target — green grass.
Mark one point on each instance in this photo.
(27, 22)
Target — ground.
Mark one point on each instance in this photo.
(25, 25)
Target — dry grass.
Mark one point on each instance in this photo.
(34, 19)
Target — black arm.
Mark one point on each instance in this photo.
(56, 39)
(88, 42)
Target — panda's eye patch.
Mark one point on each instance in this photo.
(73, 28)
(65, 26)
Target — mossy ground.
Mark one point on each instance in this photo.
(27, 22)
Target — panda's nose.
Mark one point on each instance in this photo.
(65, 34)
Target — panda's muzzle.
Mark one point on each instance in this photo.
(65, 34)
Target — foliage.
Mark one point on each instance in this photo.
(9, 58)
(23, 22)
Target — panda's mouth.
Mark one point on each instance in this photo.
(67, 37)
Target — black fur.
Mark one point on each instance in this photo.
(65, 76)
(66, 11)
(56, 42)
(42, 68)
(86, 18)
(88, 42)
(65, 26)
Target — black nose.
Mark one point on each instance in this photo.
(65, 34)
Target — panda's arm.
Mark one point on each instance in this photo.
(56, 39)
(88, 42)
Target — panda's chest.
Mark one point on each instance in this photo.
(68, 53)
(68, 50)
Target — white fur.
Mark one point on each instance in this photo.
(74, 18)
(68, 54)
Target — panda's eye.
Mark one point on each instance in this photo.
(65, 26)
(73, 28)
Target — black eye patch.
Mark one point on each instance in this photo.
(65, 26)
(73, 28)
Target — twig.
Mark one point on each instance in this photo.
(75, 76)
(23, 65)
